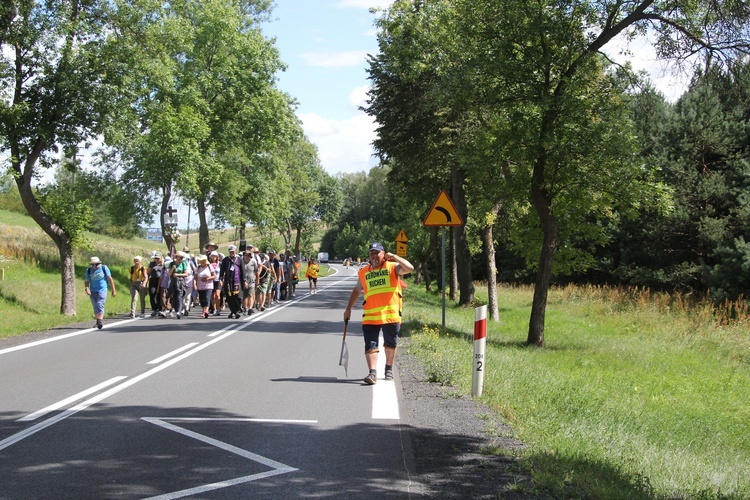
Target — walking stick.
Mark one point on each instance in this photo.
(344, 358)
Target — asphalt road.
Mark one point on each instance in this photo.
(204, 408)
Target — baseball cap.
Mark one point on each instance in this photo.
(232, 248)
(377, 246)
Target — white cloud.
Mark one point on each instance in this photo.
(665, 75)
(358, 97)
(343, 145)
(346, 59)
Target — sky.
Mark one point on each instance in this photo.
(325, 43)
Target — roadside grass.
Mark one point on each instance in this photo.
(635, 395)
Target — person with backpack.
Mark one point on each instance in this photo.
(155, 268)
(138, 286)
(265, 271)
(204, 283)
(178, 272)
(98, 276)
(187, 300)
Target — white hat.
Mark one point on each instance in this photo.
(95, 260)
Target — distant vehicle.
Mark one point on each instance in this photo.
(364, 263)
(323, 257)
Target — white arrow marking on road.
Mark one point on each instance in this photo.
(277, 468)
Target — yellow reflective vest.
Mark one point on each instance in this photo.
(383, 298)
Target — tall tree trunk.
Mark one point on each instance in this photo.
(286, 233)
(542, 202)
(243, 217)
(203, 235)
(489, 252)
(461, 246)
(59, 236)
(166, 195)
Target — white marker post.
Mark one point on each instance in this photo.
(480, 341)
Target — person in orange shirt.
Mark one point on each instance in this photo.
(312, 275)
(380, 282)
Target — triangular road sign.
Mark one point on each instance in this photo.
(443, 213)
(401, 238)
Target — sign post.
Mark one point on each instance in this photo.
(480, 342)
(443, 214)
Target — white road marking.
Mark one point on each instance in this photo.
(60, 337)
(9, 441)
(277, 468)
(67, 401)
(384, 397)
(173, 353)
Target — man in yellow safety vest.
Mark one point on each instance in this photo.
(380, 283)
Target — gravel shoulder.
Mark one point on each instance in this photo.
(453, 437)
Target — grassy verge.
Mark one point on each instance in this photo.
(634, 396)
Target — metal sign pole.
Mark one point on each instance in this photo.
(443, 285)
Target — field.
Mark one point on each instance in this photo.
(634, 396)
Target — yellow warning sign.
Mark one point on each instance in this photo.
(443, 213)
(400, 249)
(402, 237)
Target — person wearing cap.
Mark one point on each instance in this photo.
(191, 266)
(178, 273)
(98, 276)
(155, 268)
(204, 283)
(231, 279)
(251, 280)
(215, 264)
(138, 286)
(380, 282)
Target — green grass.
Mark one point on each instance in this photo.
(629, 399)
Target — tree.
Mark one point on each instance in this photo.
(539, 64)
(55, 94)
(203, 115)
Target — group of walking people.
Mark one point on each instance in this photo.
(243, 282)
(249, 281)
